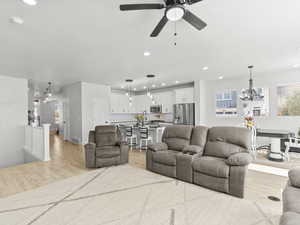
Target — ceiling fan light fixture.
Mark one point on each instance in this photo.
(175, 13)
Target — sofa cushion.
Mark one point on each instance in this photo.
(291, 199)
(177, 144)
(221, 149)
(177, 136)
(158, 147)
(233, 135)
(178, 131)
(294, 175)
(211, 166)
(290, 218)
(107, 151)
(165, 157)
(106, 135)
(199, 136)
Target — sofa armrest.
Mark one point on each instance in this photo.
(124, 153)
(90, 155)
(158, 147)
(239, 159)
(90, 146)
(192, 150)
(294, 176)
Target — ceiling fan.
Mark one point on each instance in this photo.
(174, 11)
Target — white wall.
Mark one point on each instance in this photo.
(13, 118)
(86, 106)
(95, 107)
(200, 101)
(73, 111)
(47, 111)
(270, 81)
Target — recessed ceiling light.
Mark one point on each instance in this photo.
(134, 89)
(153, 85)
(163, 84)
(30, 2)
(205, 68)
(296, 65)
(145, 87)
(17, 20)
(221, 77)
(177, 82)
(122, 87)
(147, 53)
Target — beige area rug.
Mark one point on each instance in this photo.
(125, 195)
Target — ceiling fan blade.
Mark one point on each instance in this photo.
(159, 27)
(194, 20)
(141, 6)
(190, 2)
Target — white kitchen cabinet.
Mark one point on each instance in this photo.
(142, 103)
(114, 103)
(184, 95)
(120, 104)
(166, 99)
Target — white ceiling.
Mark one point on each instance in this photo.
(66, 41)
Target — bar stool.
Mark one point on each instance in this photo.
(144, 138)
(159, 134)
(131, 138)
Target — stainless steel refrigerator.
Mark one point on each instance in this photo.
(184, 114)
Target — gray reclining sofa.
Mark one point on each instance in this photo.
(215, 158)
(291, 199)
(105, 148)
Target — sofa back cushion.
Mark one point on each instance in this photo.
(177, 136)
(199, 136)
(106, 135)
(225, 141)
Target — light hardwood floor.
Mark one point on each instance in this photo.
(68, 160)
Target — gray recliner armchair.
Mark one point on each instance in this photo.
(105, 148)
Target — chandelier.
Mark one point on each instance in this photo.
(250, 94)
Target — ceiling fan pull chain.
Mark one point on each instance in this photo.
(175, 34)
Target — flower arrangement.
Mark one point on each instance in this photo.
(139, 117)
(249, 121)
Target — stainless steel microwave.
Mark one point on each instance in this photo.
(156, 108)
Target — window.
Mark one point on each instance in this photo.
(288, 100)
(259, 106)
(226, 103)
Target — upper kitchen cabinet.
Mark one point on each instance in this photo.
(120, 103)
(142, 103)
(184, 95)
(166, 99)
(114, 102)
